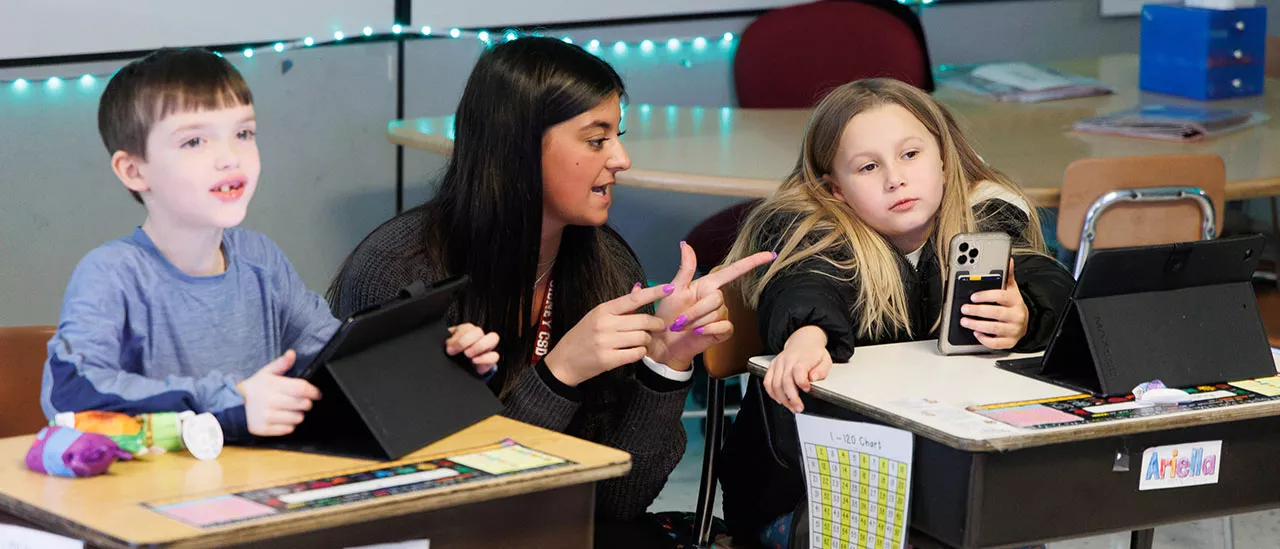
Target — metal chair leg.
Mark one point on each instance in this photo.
(1275, 238)
(705, 509)
(1228, 533)
(1142, 539)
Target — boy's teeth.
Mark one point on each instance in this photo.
(225, 188)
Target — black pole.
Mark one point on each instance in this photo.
(402, 17)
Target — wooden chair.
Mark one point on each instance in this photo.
(1273, 56)
(22, 355)
(1140, 201)
(722, 361)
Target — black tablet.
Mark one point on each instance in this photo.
(1183, 313)
(364, 329)
(388, 387)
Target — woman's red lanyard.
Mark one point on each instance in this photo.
(542, 344)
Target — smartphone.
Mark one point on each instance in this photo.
(976, 262)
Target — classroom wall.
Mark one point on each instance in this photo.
(329, 172)
(46, 28)
(1031, 30)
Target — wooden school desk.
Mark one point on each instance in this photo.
(550, 508)
(979, 484)
(747, 152)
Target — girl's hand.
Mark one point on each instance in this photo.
(803, 359)
(611, 335)
(694, 313)
(1002, 323)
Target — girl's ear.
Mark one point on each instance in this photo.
(830, 182)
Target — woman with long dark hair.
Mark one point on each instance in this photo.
(521, 209)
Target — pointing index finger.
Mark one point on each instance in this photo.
(738, 268)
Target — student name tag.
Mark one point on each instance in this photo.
(1181, 465)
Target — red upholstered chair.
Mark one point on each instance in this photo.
(713, 236)
(790, 57)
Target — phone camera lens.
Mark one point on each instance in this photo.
(973, 254)
(962, 260)
(964, 247)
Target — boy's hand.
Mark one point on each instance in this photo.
(274, 404)
(478, 346)
(1006, 317)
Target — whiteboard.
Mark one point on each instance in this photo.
(1120, 8)
(511, 13)
(47, 28)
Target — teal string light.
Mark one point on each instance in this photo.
(619, 48)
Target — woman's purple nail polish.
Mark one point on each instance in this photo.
(636, 287)
(699, 330)
(683, 243)
(669, 288)
(775, 255)
(679, 323)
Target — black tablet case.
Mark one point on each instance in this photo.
(1182, 313)
(392, 396)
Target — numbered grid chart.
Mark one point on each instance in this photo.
(856, 500)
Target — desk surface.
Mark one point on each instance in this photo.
(747, 152)
(888, 383)
(106, 510)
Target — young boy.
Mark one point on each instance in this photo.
(186, 313)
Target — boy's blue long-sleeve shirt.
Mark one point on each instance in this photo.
(138, 335)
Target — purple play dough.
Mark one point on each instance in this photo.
(88, 454)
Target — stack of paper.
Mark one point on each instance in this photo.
(1020, 82)
(13, 536)
(1171, 123)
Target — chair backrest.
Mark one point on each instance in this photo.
(729, 359)
(790, 57)
(1273, 56)
(23, 350)
(714, 236)
(1133, 223)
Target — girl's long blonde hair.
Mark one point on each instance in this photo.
(803, 219)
